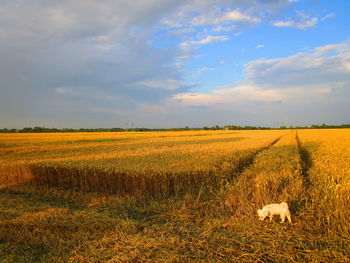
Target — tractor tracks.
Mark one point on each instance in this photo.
(305, 162)
(246, 163)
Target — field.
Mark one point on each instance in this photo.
(186, 196)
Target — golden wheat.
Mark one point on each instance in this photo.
(161, 163)
(309, 170)
(329, 175)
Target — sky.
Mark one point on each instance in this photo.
(166, 63)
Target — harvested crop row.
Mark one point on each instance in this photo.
(18, 149)
(274, 177)
(168, 169)
(28, 143)
(329, 178)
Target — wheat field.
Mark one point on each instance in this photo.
(185, 196)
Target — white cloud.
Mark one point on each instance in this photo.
(236, 15)
(229, 95)
(209, 39)
(221, 28)
(327, 16)
(204, 41)
(259, 46)
(300, 21)
(331, 48)
(325, 64)
(317, 76)
(300, 25)
(212, 13)
(219, 18)
(171, 23)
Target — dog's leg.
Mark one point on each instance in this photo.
(289, 218)
(283, 218)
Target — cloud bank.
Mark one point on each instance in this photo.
(97, 63)
(306, 85)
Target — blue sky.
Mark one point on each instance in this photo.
(164, 63)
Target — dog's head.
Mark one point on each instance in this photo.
(262, 213)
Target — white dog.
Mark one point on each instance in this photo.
(275, 209)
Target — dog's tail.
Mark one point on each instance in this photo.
(284, 204)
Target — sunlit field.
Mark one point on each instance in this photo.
(186, 196)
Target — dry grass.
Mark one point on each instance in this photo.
(52, 224)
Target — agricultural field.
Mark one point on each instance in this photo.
(187, 196)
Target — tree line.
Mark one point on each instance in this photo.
(216, 127)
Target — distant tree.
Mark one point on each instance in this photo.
(27, 129)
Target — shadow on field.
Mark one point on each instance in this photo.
(306, 161)
(45, 233)
(297, 206)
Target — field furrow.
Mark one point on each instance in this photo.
(306, 163)
(274, 177)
